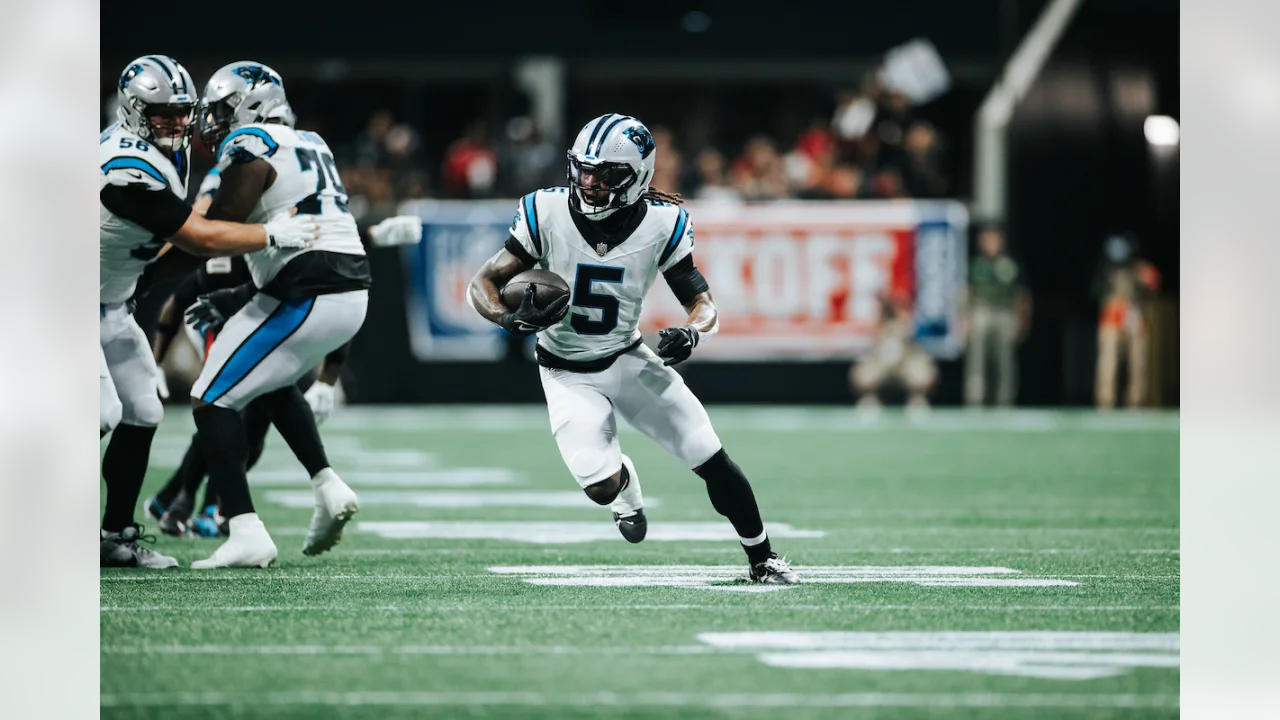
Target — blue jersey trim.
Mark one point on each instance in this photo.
(676, 234)
(531, 221)
(272, 145)
(133, 163)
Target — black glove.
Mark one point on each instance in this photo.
(528, 319)
(677, 344)
(212, 310)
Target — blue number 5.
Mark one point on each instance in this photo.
(585, 297)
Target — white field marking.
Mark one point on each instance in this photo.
(711, 607)
(947, 530)
(452, 477)
(547, 533)
(1046, 655)
(643, 699)
(525, 650)
(268, 576)
(454, 499)
(1003, 551)
(415, 420)
(720, 577)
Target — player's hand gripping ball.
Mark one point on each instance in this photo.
(535, 300)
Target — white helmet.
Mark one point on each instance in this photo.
(154, 85)
(610, 165)
(242, 93)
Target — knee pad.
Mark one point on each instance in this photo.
(145, 411)
(109, 413)
(603, 492)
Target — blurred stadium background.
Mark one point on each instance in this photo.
(841, 161)
(871, 108)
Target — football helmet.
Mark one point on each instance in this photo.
(610, 165)
(157, 86)
(242, 93)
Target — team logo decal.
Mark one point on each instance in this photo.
(256, 75)
(639, 135)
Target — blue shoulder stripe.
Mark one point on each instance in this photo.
(133, 163)
(676, 234)
(272, 145)
(531, 220)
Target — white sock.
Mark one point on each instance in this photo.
(322, 477)
(629, 499)
(245, 522)
(752, 542)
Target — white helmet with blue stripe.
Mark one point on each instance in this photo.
(610, 165)
(242, 93)
(157, 86)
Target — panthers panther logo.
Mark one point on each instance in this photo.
(639, 135)
(129, 75)
(256, 75)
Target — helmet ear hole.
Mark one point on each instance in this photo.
(254, 106)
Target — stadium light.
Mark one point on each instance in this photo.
(1161, 130)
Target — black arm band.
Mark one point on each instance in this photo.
(685, 280)
(160, 212)
(515, 248)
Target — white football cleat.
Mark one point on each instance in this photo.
(628, 507)
(773, 571)
(248, 546)
(335, 505)
(122, 550)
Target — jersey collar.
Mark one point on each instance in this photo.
(596, 236)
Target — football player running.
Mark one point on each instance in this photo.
(608, 235)
(300, 305)
(142, 191)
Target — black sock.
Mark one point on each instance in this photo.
(124, 466)
(732, 497)
(192, 465)
(257, 421)
(225, 451)
(297, 425)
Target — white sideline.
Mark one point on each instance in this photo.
(708, 607)
(647, 699)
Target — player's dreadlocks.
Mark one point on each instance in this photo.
(656, 194)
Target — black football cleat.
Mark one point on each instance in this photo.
(633, 527)
(774, 571)
(178, 517)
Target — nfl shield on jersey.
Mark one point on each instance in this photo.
(306, 179)
(608, 285)
(125, 248)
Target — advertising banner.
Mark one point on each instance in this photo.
(792, 280)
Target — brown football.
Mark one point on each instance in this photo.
(547, 286)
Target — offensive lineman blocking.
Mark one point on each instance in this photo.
(609, 235)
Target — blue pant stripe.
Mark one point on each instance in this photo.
(283, 322)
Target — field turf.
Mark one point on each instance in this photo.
(963, 565)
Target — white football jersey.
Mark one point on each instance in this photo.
(125, 248)
(607, 285)
(306, 179)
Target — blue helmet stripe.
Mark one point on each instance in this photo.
(531, 220)
(272, 145)
(603, 119)
(605, 135)
(676, 234)
(133, 163)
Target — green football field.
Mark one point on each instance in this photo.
(963, 565)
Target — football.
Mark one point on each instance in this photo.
(547, 287)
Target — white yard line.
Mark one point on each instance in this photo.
(645, 699)
(523, 650)
(591, 606)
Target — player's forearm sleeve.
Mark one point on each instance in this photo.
(515, 248)
(159, 211)
(685, 280)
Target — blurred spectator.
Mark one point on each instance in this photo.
(809, 164)
(1124, 284)
(668, 169)
(887, 185)
(529, 160)
(894, 358)
(758, 172)
(997, 308)
(844, 182)
(470, 165)
(370, 144)
(710, 181)
(922, 167)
